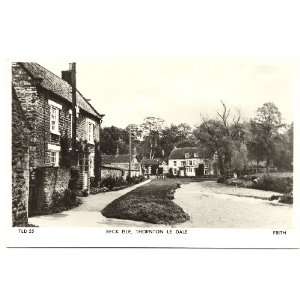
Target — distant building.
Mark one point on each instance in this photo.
(150, 166)
(121, 162)
(191, 161)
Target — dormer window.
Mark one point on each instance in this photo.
(196, 155)
(186, 155)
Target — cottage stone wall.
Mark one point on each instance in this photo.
(27, 94)
(20, 165)
(50, 179)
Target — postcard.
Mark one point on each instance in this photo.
(178, 152)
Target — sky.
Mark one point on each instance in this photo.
(182, 89)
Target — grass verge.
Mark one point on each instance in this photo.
(150, 203)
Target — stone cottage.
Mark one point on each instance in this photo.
(191, 161)
(46, 100)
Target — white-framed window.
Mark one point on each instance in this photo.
(91, 164)
(54, 158)
(175, 163)
(54, 116)
(54, 154)
(191, 162)
(186, 155)
(90, 131)
(71, 121)
(183, 163)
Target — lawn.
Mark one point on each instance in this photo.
(150, 203)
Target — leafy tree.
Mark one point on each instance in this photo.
(239, 158)
(283, 155)
(113, 138)
(264, 128)
(151, 132)
(222, 136)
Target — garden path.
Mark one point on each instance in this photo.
(88, 213)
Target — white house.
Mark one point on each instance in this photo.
(190, 161)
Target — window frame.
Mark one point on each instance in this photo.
(90, 136)
(54, 110)
(56, 158)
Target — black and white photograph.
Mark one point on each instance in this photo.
(150, 149)
(153, 143)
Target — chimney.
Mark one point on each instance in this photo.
(66, 75)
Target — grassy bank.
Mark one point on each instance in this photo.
(276, 182)
(150, 203)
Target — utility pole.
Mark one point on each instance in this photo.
(72, 68)
(129, 173)
(99, 149)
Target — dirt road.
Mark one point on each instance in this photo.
(214, 205)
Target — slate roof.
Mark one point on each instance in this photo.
(179, 153)
(58, 86)
(148, 161)
(109, 159)
(120, 161)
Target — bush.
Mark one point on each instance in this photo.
(63, 201)
(276, 184)
(286, 198)
(170, 174)
(221, 179)
(74, 178)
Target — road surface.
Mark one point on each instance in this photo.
(214, 205)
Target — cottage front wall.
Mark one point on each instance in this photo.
(190, 165)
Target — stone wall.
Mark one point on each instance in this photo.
(49, 179)
(110, 172)
(20, 165)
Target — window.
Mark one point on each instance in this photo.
(191, 162)
(195, 154)
(91, 164)
(90, 131)
(54, 117)
(54, 158)
(183, 163)
(71, 122)
(186, 155)
(175, 163)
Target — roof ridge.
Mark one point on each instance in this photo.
(48, 73)
(66, 82)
